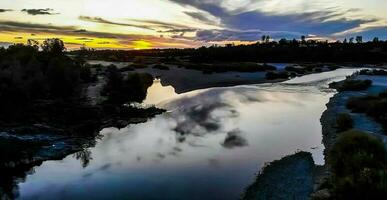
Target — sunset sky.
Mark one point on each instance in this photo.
(142, 24)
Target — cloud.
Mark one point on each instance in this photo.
(15, 26)
(161, 25)
(184, 30)
(45, 11)
(80, 31)
(201, 16)
(248, 35)
(4, 10)
(368, 33)
(104, 21)
(242, 23)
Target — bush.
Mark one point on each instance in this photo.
(277, 75)
(28, 75)
(358, 163)
(161, 67)
(344, 122)
(351, 85)
(132, 88)
(375, 72)
(373, 106)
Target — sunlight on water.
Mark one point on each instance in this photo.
(209, 145)
(158, 93)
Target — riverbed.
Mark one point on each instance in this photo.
(208, 145)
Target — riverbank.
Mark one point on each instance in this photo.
(28, 146)
(337, 105)
(288, 178)
(186, 77)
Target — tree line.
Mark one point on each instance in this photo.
(353, 49)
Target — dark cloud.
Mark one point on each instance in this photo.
(179, 33)
(305, 23)
(249, 35)
(4, 10)
(83, 39)
(144, 24)
(104, 21)
(234, 139)
(162, 25)
(242, 25)
(10, 25)
(80, 31)
(185, 30)
(370, 33)
(200, 16)
(45, 11)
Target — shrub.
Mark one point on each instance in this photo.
(351, 85)
(132, 88)
(277, 75)
(344, 122)
(376, 72)
(358, 163)
(373, 106)
(161, 67)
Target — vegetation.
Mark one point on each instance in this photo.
(132, 88)
(218, 67)
(344, 122)
(161, 67)
(351, 85)
(263, 51)
(28, 75)
(373, 106)
(277, 75)
(359, 167)
(374, 72)
(47, 87)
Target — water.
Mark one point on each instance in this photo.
(209, 145)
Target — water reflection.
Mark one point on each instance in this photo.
(208, 145)
(84, 157)
(158, 93)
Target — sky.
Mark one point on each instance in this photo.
(144, 24)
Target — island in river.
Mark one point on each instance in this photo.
(208, 144)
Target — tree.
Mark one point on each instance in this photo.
(53, 46)
(359, 39)
(263, 38)
(33, 43)
(267, 39)
(303, 39)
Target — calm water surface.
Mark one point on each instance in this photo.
(209, 145)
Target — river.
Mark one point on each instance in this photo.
(208, 145)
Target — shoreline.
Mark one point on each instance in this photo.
(336, 105)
